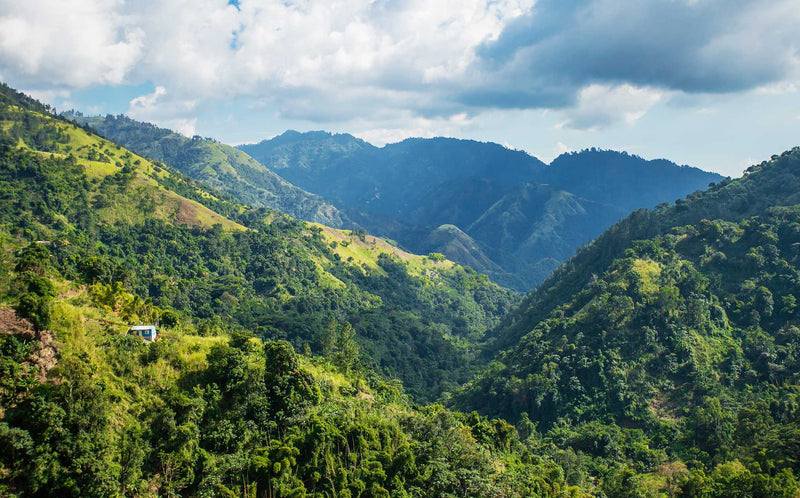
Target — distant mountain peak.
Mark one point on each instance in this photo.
(290, 136)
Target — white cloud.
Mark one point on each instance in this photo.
(48, 95)
(147, 102)
(187, 127)
(603, 105)
(159, 108)
(407, 125)
(298, 56)
(391, 68)
(71, 44)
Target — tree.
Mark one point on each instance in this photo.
(35, 259)
(340, 345)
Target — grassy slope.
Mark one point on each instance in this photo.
(221, 166)
(435, 308)
(101, 158)
(366, 249)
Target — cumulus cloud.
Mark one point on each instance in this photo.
(309, 58)
(407, 125)
(315, 59)
(714, 46)
(602, 105)
(45, 43)
(381, 59)
(159, 108)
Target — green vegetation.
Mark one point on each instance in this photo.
(662, 360)
(89, 246)
(227, 415)
(122, 225)
(218, 165)
(768, 184)
(681, 353)
(500, 211)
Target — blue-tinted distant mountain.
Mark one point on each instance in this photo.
(625, 180)
(391, 180)
(493, 196)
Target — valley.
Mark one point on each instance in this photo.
(301, 355)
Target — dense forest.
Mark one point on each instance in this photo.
(502, 212)
(125, 228)
(95, 238)
(683, 349)
(295, 359)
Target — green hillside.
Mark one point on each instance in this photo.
(86, 410)
(681, 350)
(295, 359)
(114, 218)
(771, 183)
(93, 239)
(115, 184)
(221, 166)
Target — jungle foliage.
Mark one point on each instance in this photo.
(662, 360)
(683, 350)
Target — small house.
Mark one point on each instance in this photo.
(146, 332)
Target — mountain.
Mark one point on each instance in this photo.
(94, 238)
(408, 190)
(218, 165)
(539, 220)
(676, 331)
(729, 200)
(451, 240)
(386, 180)
(87, 180)
(115, 217)
(624, 180)
(670, 372)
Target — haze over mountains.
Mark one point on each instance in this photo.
(500, 211)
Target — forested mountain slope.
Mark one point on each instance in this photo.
(52, 165)
(94, 239)
(115, 219)
(86, 410)
(772, 183)
(218, 165)
(407, 191)
(624, 180)
(670, 328)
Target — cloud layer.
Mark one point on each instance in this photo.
(712, 46)
(598, 61)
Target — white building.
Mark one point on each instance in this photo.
(146, 332)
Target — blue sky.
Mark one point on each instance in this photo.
(711, 83)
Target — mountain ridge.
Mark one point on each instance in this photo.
(677, 325)
(221, 166)
(666, 362)
(120, 218)
(406, 190)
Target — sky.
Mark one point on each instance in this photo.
(710, 83)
